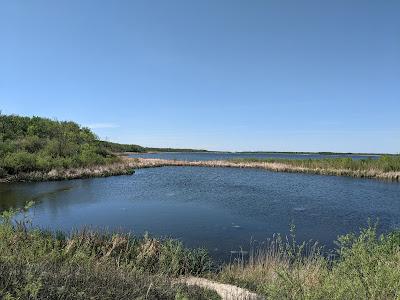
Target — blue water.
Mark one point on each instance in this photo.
(222, 209)
(197, 156)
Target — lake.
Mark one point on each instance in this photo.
(198, 156)
(222, 209)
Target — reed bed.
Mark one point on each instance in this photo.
(384, 169)
(36, 264)
(121, 167)
(365, 266)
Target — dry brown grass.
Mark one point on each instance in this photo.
(118, 168)
(126, 165)
(271, 166)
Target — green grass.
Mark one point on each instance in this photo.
(366, 266)
(35, 264)
(386, 163)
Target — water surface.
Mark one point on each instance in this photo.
(198, 156)
(222, 209)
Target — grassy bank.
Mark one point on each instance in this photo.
(366, 266)
(385, 168)
(386, 163)
(35, 264)
(120, 167)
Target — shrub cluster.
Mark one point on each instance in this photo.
(366, 266)
(38, 144)
(115, 147)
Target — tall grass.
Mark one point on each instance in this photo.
(385, 168)
(387, 163)
(366, 266)
(35, 264)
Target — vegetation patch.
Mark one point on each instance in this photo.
(385, 163)
(36, 264)
(365, 266)
(386, 168)
(41, 145)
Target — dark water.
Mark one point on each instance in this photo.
(218, 208)
(196, 156)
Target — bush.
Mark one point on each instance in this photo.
(367, 266)
(39, 144)
(19, 162)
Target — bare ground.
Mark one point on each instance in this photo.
(225, 291)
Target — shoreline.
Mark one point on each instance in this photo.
(128, 165)
(272, 166)
(114, 169)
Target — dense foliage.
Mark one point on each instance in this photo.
(173, 150)
(39, 144)
(115, 147)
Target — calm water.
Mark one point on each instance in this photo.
(196, 156)
(218, 208)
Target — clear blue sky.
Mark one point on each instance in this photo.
(221, 75)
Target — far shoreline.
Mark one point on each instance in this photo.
(128, 165)
(264, 152)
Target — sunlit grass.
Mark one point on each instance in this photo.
(366, 266)
(384, 163)
(35, 264)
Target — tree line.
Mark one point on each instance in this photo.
(40, 144)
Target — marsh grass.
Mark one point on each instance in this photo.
(384, 168)
(386, 163)
(36, 264)
(366, 266)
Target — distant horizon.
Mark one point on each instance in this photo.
(204, 148)
(220, 75)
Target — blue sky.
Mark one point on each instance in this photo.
(221, 75)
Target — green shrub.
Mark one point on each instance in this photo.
(19, 162)
(35, 264)
(39, 144)
(367, 266)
